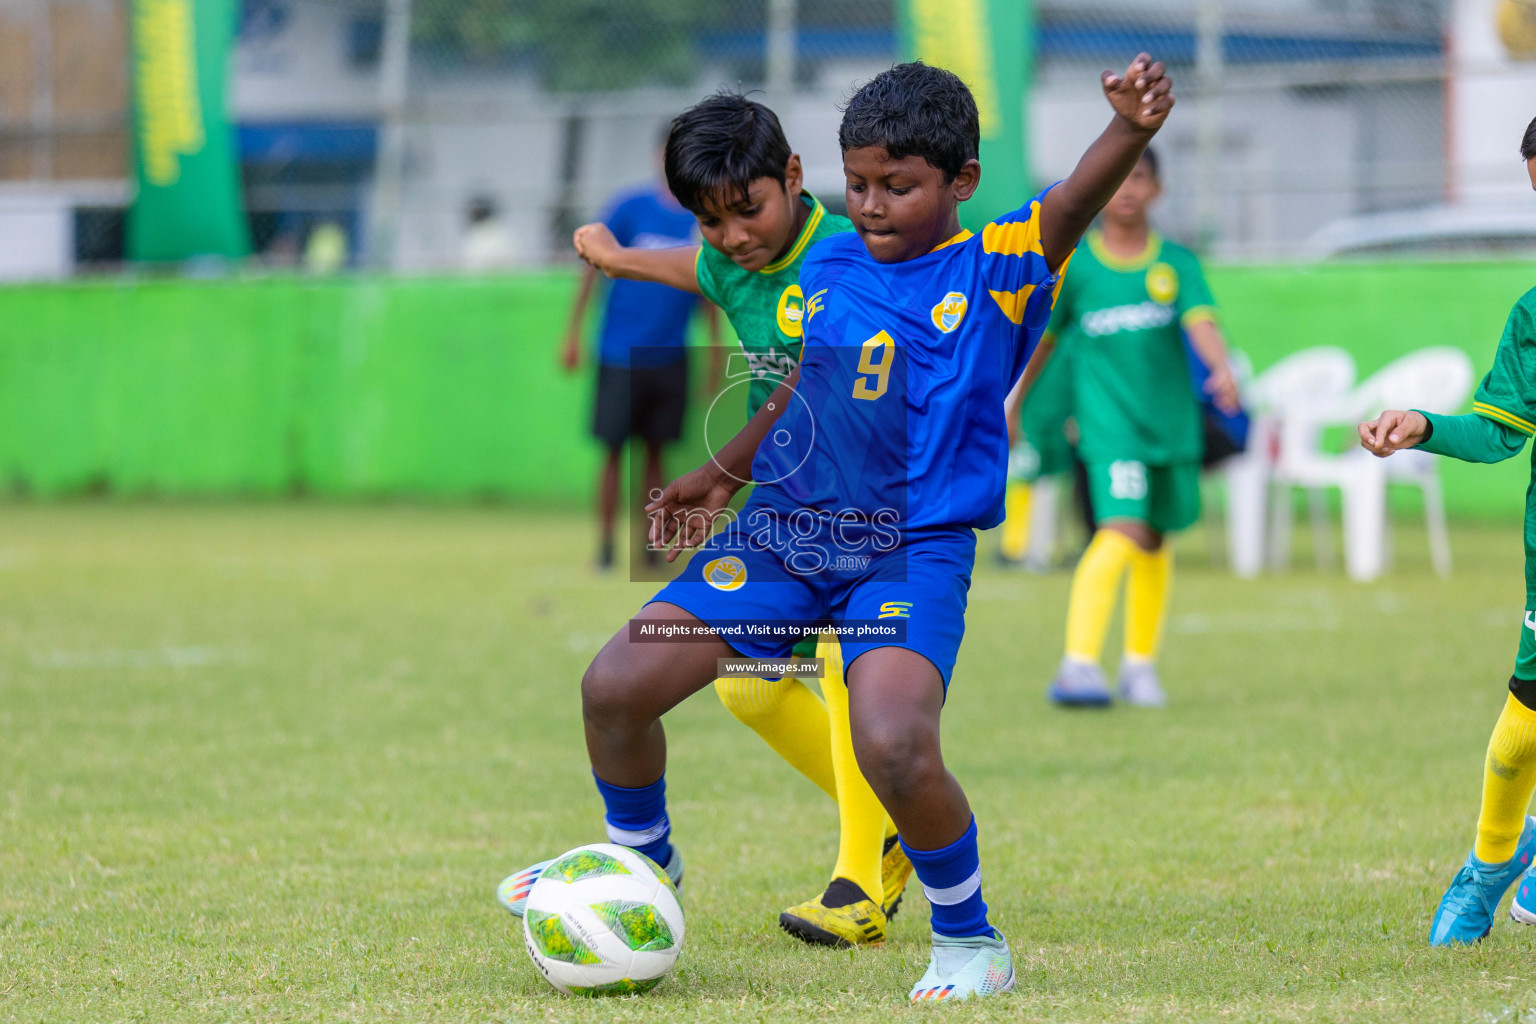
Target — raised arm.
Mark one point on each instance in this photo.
(674, 267)
(1141, 98)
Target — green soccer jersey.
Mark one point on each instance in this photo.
(1122, 321)
(765, 306)
(1503, 416)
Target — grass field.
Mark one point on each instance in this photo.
(269, 763)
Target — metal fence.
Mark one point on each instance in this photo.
(430, 135)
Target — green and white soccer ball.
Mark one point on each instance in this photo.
(603, 920)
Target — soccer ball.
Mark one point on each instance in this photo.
(603, 920)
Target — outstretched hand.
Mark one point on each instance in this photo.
(1393, 431)
(1143, 95)
(683, 515)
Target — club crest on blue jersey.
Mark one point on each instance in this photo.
(726, 573)
(896, 610)
(949, 312)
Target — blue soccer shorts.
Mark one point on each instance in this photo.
(762, 587)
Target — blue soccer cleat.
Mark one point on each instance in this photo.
(1466, 910)
(1522, 909)
(965, 968)
(1080, 684)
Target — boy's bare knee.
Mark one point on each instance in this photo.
(608, 691)
(897, 761)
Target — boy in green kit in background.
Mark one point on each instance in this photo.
(727, 161)
(1123, 314)
(1503, 416)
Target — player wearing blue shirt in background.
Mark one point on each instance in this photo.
(642, 348)
(874, 461)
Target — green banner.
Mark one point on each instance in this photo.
(187, 201)
(990, 45)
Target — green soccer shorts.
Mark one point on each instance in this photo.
(1525, 660)
(1166, 498)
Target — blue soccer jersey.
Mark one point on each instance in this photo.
(905, 371)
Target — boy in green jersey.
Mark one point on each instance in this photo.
(1123, 314)
(1503, 416)
(727, 161)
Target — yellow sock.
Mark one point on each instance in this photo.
(1015, 539)
(789, 716)
(861, 821)
(1509, 778)
(1094, 587)
(1146, 602)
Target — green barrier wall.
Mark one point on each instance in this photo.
(449, 388)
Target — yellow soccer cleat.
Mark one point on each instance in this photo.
(895, 869)
(859, 922)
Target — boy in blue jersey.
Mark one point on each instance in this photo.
(874, 462)
(642, 350)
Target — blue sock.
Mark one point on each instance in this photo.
(951, 880)
(637, 818)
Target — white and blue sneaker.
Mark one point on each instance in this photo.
(1466, 910)
(1139, 685)
(1522, 909)
(963, 968)
(513, 891)
(1079, 684)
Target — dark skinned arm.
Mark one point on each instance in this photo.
(687, 507)
(1141, 98)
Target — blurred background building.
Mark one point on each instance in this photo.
(375, 132)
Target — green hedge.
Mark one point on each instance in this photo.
(449, 388)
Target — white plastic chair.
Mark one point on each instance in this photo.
(1288, 403)
(1433, 379)
(1438, 380)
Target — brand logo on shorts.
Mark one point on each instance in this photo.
(792, 311)
(1530, 621)
(896, 610)
(725, 573)
(949, 312)
(1162, 283)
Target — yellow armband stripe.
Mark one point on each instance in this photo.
(1509, 419)
(1198, 315)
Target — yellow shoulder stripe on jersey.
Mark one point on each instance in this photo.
(1015, 238)
(963, 236)
(1509, 419)
(1012, 303)
(1141, 261)
(817, 210)
(1198, 315)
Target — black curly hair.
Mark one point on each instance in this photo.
(719, 146)
(915, 110)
